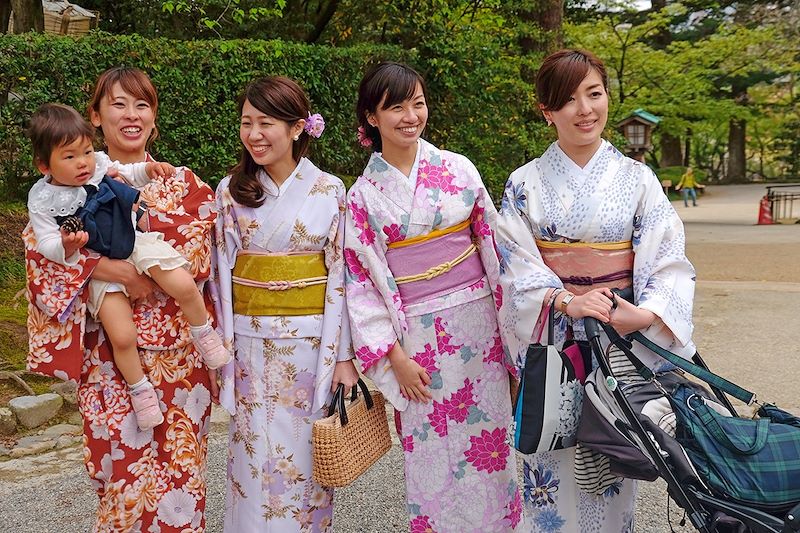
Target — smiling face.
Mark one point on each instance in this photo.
(268, 139)
(127, 123)
(71, 164)
(582, 119)
(401, 125)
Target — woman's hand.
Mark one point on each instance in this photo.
(627, 318)
(413, 379)
(138, 285)
(345, 373)
(214, 384)
(596, 304)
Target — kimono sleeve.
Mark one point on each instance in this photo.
(373, 300)
(524, 277)
(483, 219)
(336, 344)
(56, 311)
(663, 278)
(227, 242)
(335, 304)
(365, 256)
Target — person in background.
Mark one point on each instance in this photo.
(687, 186)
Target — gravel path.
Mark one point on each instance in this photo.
(746, 314)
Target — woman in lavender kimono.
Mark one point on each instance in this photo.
(422, 292)
(281, 304)
(578, 220)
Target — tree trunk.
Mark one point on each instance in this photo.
(547, 15)
(737, 171)
(28, 15)
(5, 15)
(687, 148)
(670, 151)
(322, 20)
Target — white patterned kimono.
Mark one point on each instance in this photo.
(459, 469)
(281, 375)
(613, 198)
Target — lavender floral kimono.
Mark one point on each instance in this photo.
(281, 374)
(459, 469)
(612, 199)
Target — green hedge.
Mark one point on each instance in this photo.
(478, 104)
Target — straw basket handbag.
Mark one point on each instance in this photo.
(346, 443)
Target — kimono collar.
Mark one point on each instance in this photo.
(398, 187)
(271, 188)
(412, 175)
(572, 166)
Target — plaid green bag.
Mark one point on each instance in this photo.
(751, 461)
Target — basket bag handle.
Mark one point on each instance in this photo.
(337, 403)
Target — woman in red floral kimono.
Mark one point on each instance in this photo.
(150, 480)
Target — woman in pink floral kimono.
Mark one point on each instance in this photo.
(422, 294)
(153, 480)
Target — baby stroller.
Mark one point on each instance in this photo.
(616, 423)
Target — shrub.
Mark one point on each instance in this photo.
(479, 106)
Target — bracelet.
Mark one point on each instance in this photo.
(553, 296)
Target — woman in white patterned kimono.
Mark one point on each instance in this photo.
(282, 307)
(574, 222)
(422, 292)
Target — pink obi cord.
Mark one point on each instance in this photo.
(445, 265)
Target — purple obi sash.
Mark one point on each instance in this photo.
(433, 265)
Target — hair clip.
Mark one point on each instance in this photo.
(315, 125)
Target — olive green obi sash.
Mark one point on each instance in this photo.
(279, 284)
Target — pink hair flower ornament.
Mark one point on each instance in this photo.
(363, 138)
(315, 125)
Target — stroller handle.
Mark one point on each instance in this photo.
(592, 325)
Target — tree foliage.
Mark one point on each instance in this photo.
(695, 81)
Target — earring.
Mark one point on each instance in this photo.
(297, 137)
(549, 122)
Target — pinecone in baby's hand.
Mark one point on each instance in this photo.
(72, 224)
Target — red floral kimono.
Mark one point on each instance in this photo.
(151, 480)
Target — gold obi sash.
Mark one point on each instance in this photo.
(583, 266)
(279, 284)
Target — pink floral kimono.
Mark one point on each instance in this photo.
(459, 468)
(152, 480)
